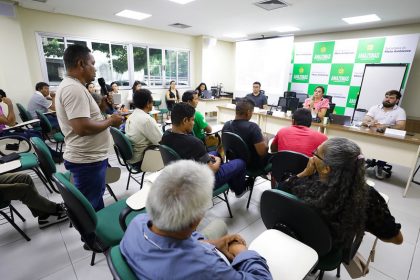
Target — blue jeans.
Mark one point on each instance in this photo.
(53, 121)
(233, 173)
(89, 178)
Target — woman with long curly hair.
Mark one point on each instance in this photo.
(334, 184)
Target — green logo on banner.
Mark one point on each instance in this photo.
(301, 73)
(352, 97)
(341, 74)
(323, 52)
(312, 87)
(370, 50)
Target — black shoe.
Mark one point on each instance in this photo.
(58, 158)
(52, 219)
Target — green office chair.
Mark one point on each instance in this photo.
(46, 128)
(23, 113)
(169, 155)
(28, 160)
(287, 163)
(236, 148)
(26, 116)
(118, 265)
(287, 213)
(99, 230)
(157, 104)
(48, 166)
(152, 161)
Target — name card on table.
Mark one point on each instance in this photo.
(231, 106)
(395, 132)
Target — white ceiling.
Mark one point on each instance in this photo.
(218, 17)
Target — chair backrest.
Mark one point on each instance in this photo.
(152, 159)
(44, 122)
(118, 265)
(24, 114)
(235, 147)
(157, 103)
(330, 110)
(289, 94)
(46, 162)
(14, 144)
(329, 97)
(79, 210)
(285, 212)
(286, 163)
(122, 144)
(168, 154)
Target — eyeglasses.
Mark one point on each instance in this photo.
(314, 153)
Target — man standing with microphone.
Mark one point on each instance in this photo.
(86, 132)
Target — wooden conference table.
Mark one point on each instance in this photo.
(402, 151)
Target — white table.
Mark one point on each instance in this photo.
(215, 129)
(287, 258)
(22, 124)
(402, 151)
(210, 105)
(138, 200)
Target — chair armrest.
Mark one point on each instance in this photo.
(19, 139)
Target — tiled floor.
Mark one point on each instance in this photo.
(57, 253)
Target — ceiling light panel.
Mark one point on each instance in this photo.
(362, 19)
(286, 29)
(182, 2)
(132, 14)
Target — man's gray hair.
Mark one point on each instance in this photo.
(180, 195)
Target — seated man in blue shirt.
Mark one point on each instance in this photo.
(164, 243)
(258, 97)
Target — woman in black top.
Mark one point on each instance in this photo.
(334, 184)
(201, 87)
(172, 96)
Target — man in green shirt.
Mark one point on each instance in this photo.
(200, 125)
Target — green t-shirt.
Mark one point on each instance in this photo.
(199, 125)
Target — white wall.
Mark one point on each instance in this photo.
(14, 72)
(218, 64)
(411, 100)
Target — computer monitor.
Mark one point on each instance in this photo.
(206, 94)
(288, 103)
(340, 119)
(289, 94)
(215, 92)
(282, 104)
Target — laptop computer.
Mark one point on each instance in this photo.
(340, 119)
(206, 94)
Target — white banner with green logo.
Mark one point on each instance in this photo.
(338, 65)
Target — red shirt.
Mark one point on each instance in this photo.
(299, 139)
